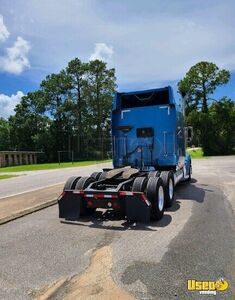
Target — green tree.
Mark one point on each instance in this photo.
(4, 134)
(197, 88)
(222, 113)
(76, 104)
(28, 121)
(199, 84)
(56, 90)
(214, 130)
(100, 90)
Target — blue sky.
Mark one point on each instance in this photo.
(151, 43)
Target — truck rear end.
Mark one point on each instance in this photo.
(149, 159)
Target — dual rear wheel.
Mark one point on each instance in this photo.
(159, 190)
(80, 183)
(169, 187)
(155, 194)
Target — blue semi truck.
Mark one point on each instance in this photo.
(149, 140)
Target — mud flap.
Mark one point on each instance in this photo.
(69, 206)
(137, 209)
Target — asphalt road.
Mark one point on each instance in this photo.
(104, 257)
(33, 180)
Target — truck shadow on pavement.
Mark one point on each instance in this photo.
(184, 192)
(191, 191)
(100, 220)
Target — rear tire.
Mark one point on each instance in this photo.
(153, 174)
(169, 187)
(103, 175)
(71, 183)
(96, 175)
(139, 184)
(82, 184)
(155, 194)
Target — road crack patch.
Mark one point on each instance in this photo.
(93, 284)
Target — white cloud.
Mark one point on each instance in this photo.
(102, 52)
(8, 103)
(152, 43)
(16, 60)
(4, 33)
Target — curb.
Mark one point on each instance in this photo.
(27, 211)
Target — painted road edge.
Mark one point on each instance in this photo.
(27, 211)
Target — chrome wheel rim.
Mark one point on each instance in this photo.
(171, 188)
(160, 198)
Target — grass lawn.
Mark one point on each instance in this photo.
(51, 166)
(196, 152)
(6, 176)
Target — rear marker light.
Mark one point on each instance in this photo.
(115, 205)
